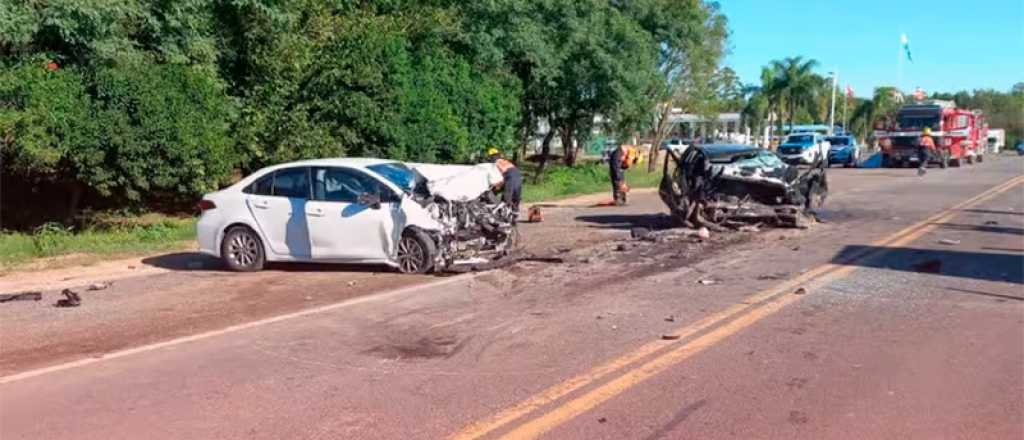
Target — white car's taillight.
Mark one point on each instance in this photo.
(205, 205)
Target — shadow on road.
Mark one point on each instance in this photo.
(989, 211)
(190, 261)
(982, 228)
(992, 295)
(198, 262)
(627, 221)
(961, 264)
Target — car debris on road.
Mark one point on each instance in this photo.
(98, 286)
(71, 299)
(21, 296)
(730, 186)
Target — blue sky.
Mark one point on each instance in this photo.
(956, 45)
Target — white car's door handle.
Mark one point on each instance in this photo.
(315, 212)
(261, 204)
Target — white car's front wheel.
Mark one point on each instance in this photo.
(242, 250)
(416, 252)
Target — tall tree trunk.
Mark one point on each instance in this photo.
(661, 129)
(545, 151)
(527, 131)
(75, 192)
(568, 134)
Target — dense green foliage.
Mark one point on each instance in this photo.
(112, 103)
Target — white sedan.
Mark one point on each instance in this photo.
(416, 218)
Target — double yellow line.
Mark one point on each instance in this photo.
(729, 321)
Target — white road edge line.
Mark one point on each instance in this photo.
(234, 328)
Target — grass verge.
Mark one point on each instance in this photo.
(561, 182)
(127, 236)
(18, 249)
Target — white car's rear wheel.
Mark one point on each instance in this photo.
(415, 252)
(242, 250)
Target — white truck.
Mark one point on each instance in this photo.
(996, 140)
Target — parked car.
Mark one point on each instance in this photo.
(1020, 148)
(804, 148)
(413, 217)
(844, 150)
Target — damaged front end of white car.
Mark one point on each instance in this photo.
(457, 210)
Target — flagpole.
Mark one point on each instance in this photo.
(899, 57)
(832, 111)
(846, 96)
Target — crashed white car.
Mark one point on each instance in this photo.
(414, 217)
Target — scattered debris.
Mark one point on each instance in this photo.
(351, 283)
(774, 276)
(750, 228)
(670, 337)
(703, 233)
(71, 299)
(670, 318)
(534, 215)
(21, 296)
(639, 233)
(795, 248)
(948, 241)
(507, 260)
(602, 420)
(615, 327)
(991, 223)
(622, 247)
(563, 250)
(707, 281)
(99, 286)
(930, 266)
(800, 291)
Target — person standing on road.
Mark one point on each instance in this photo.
(925, 149)
(618, 162)
(512, 188)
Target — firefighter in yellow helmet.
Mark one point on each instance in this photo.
(512, 188)
(925, 150)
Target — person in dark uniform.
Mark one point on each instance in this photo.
(512, 188)
(618, 162)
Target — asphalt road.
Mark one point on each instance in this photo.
(901, 316)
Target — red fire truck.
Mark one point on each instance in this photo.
(959, 134)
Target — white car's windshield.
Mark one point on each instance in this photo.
(800, 139)
(396, 173)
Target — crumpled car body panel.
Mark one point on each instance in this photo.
(461, 213)
(458, 183)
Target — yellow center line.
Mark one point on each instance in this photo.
(556, 392)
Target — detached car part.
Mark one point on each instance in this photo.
(718, 186)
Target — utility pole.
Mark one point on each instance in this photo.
(846, 96)
(832, 111)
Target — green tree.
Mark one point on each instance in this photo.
(797, 82)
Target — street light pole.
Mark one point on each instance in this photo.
(832, 111)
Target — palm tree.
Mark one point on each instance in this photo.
(795, 76)
(882, 103)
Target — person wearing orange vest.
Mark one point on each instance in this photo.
(925, 149)
(512, 188)
(619, 161)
